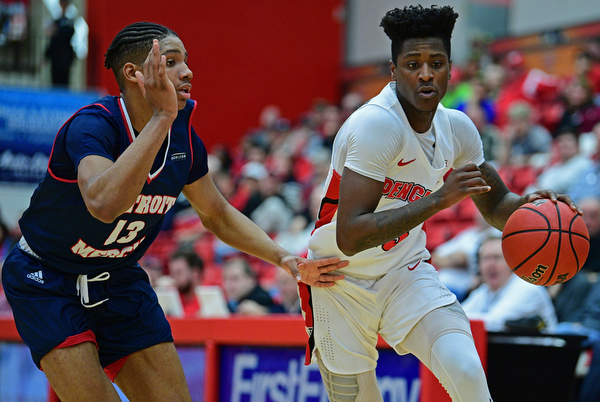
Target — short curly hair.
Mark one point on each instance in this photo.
(418, 22)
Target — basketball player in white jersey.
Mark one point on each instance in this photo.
(386, 178)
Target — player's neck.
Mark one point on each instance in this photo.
(419, 120)
(138, 110)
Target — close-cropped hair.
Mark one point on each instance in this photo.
(418, 22)
(190, 256)
(132, 44)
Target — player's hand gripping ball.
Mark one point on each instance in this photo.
(545, 243)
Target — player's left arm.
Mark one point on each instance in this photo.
(499, 203)
(235, 229)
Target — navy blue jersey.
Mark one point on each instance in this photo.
(57, 224)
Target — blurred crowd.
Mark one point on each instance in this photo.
(538, 130)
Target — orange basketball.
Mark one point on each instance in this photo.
(545, 243)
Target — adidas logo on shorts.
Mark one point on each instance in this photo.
(36, 276)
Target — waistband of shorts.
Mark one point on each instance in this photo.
(25, 247)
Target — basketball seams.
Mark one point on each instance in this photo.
(539, 258)
(571, 234)
(534, 253)
(560, 233)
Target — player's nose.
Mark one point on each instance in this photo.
(186, 73)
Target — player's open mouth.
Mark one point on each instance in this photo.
(184, 90)
(426, 92)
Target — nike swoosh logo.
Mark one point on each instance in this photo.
(402, 163)
(409, 268)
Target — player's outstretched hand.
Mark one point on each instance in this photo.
(550, 194)
(315, 272)
(155, 85)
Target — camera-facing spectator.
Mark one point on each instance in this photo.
(503, 296)
(242, 290)
(185, 267)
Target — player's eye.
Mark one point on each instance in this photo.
(170, 62)
(412, 64)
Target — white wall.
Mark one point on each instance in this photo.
(14, 199)
(367, 43)
(531, 16)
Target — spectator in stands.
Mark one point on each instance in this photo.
(59, 51)
(502, 295)
(587, 322)
(587, 67)
(480, 96)
(153, 267)
(287, 294)
(581, 112)
(568, 168)
(588, 182)
(456, 259)
(591, 216)
(247, 194)
(242, 290)
(525, 138)
(266, 207)
(185, 267)
(490, 134)
(521, 84)
(569, 297)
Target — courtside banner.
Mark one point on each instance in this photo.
(29, 121)
(253, 374)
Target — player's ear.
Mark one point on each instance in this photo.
(129, 70)
(450, 70)
(393, 70)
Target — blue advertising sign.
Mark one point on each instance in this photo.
(29, 120)
(262, 374)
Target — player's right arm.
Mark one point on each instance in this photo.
(110, 188)
(499, 203)
(359, 227)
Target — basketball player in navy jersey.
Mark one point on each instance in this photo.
(386, 178)
(81, 301)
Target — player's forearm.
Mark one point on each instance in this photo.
(499, 203)
(377, 228)
(235, 229)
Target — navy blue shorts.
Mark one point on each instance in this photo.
(49, 312)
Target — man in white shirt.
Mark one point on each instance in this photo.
(504, 296)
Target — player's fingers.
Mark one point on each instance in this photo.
(140, 81)
(468, 167)
(478, 189)
(567, 200)
(332, 267)
(324, 284)
(331, 277)
(153, 62)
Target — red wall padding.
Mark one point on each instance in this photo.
(245, 55)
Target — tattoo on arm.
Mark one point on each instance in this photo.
(499, 203)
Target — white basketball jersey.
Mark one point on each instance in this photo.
(378, 142)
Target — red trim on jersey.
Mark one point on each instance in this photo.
(113, 369)
(190, 133)
(306, 304)
(87, 336)
(54, 142)
(329, 203)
